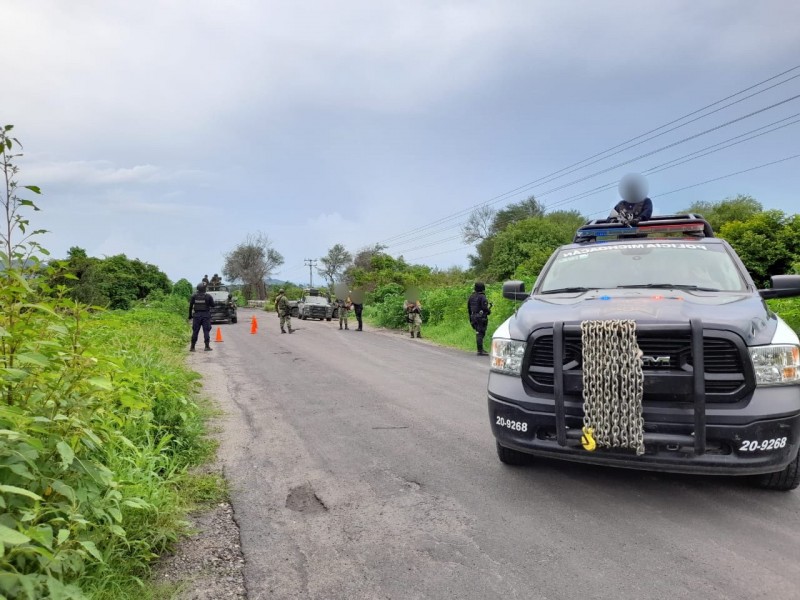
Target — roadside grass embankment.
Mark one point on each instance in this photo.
(444, 313)
(99, 430)
(445, 321)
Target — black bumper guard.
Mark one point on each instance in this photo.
(697, 441)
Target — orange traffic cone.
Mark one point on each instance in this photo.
(254, 325)
(219, 335)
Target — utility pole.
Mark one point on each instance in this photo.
(310, 263)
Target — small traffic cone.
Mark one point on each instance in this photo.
(254, 325)
(219, 335)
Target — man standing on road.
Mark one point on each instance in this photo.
(359, 308)
(344, 311)
(200, 306)
(479, 310)
(414, 317)
(284, 311)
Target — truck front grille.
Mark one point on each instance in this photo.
(726, 377)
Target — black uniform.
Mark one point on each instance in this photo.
(479, 311)
(358, 308)
(633, 212)
(200, 311)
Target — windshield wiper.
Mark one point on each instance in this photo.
(567, 290)
(675, 286)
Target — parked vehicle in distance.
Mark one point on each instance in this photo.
(315, 307)
(224, 308)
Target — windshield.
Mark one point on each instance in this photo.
(662, 264)
(316, 300)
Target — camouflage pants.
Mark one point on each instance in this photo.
(414, 324)
(286, 320)
(342, 318)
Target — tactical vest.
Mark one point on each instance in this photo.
(200, 303)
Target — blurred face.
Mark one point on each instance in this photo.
(633, 188)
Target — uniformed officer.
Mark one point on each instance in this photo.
(414, 317)
(344, 311)
(635, 206)
(205, 280)
(200, 306)
(216, 281)
(479, 309)
(358, 308)
(284, 311)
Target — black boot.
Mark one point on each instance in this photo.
(291, 330)
(419, 336)
(208, 348)
(191, 348)
(412, 335)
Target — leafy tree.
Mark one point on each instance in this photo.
(479, 225)
(768, 243)
(524, 246)
(183, 288)
(252, 262)
(334, 264)
(740, 208)
(517, 211)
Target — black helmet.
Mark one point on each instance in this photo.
(201, 287)
(479, 286)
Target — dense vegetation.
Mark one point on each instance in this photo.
(98, 426)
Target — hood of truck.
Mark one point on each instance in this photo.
(745, 314)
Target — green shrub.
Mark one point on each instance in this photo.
(789, 310)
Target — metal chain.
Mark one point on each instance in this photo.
(613, 384)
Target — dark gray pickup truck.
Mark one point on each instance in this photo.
(649, 347)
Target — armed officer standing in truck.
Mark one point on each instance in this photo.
(479, 309)
(200, 306)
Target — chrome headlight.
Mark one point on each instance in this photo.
(776, 364)
(507, 356)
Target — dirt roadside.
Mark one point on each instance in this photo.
(208, 565)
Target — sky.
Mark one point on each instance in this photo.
(170, 130)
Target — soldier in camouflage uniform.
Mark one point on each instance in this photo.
(344, 311)
(414, 317)
(284, 311)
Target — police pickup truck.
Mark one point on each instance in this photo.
(649, 347)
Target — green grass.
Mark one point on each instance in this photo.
(104, 414)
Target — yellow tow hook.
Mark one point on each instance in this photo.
(587, 439)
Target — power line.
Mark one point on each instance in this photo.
(613, 148)
(686, 158)
(675, 191)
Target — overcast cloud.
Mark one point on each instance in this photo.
(170, 130)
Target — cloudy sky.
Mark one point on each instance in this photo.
(170, 130)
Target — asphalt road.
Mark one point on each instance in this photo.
(362, 466)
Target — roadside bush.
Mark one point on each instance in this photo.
(97, 421)
(789, 310)
(97, 428)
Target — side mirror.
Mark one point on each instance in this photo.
(514, 290)
(783, 286)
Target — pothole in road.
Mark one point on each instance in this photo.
(303, 499)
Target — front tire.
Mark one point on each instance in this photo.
(782, 481)
(511, 457)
